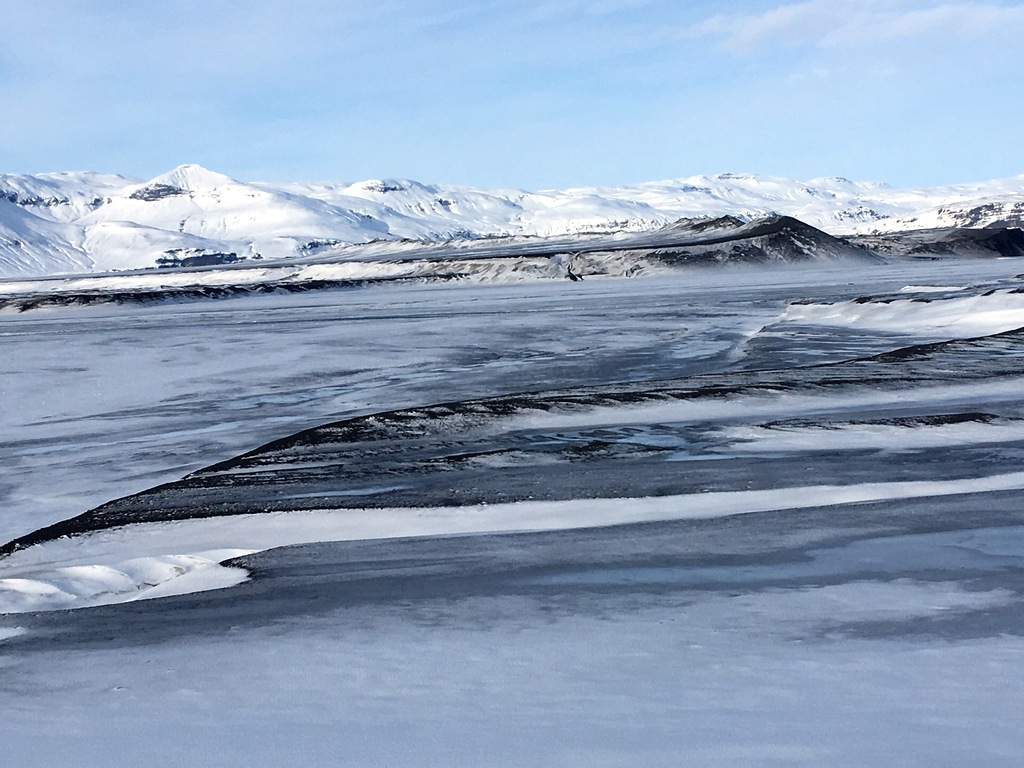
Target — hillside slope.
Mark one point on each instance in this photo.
(86, 222)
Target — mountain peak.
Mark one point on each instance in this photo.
(193, 177)
(185, 180)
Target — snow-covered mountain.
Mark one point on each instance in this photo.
(82, 222)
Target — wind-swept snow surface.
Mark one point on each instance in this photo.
(757, 515)
(955, 315)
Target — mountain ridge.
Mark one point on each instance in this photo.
(74, 222)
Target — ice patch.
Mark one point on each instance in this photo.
(880, 600)
(6, 633)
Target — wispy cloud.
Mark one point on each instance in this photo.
(577, 91)
(831, 23)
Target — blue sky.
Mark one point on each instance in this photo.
(515, 93)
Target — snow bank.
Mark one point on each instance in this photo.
(932, 288)
(890, 437)
(150, 281)
(961, 317)
(140, 578)
(75, 571)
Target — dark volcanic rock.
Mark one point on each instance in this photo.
(986, 242)
(775, 239)
(156, 192)
(178, 259)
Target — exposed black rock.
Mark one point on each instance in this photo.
(202, 259)
(156, 192)
(383, 186)
(775, 239)
(987, 242)
(34, 200)
(313, 246)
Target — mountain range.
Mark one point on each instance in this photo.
(84, 222)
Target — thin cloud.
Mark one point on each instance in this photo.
(826, 23)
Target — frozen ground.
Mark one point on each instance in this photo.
(810, 480)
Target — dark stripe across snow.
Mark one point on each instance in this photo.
(600, 442)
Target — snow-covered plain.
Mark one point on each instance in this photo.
(817, 559)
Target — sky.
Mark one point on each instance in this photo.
(529, 94)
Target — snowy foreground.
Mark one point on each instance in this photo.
(722, 517)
